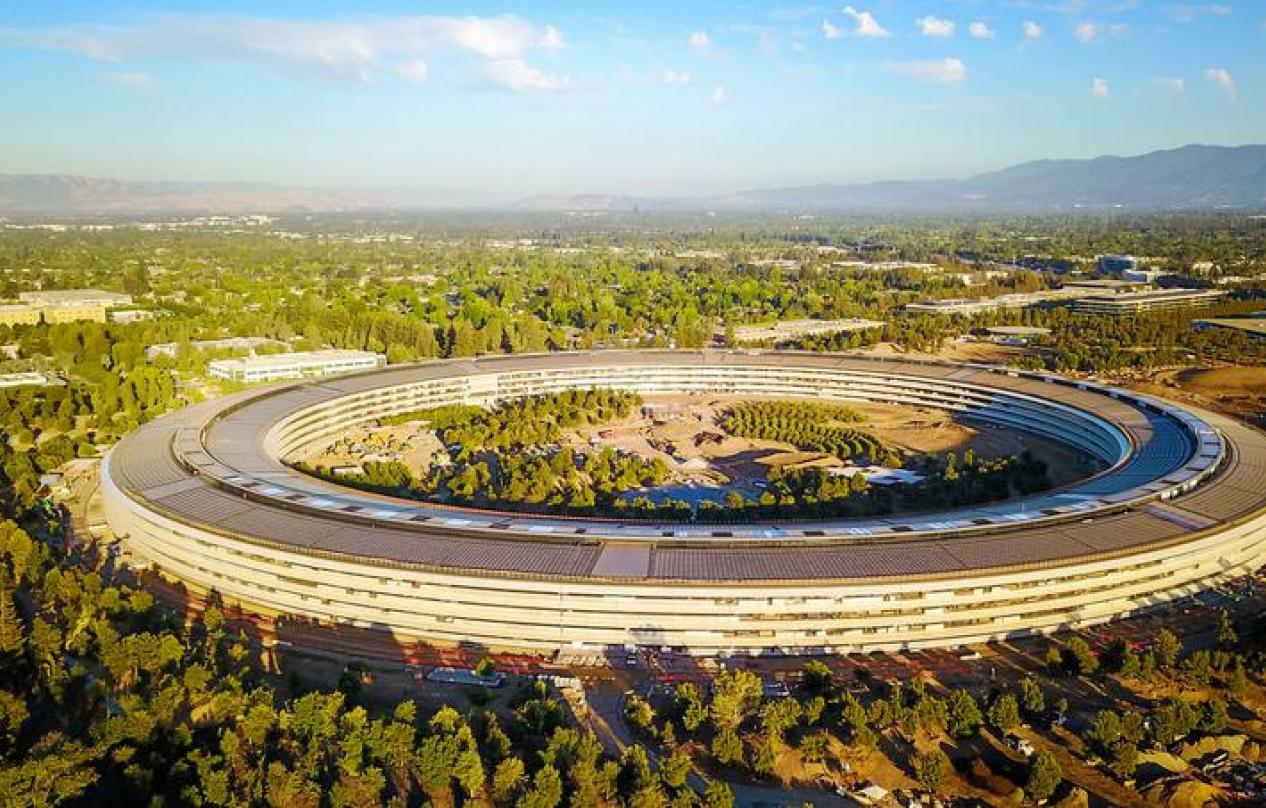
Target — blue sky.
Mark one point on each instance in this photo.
(512, 99)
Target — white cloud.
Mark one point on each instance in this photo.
(134, 80)
(1032, 31)
(978, 30)
(830, 30)
(670, 76)
(699, 40)
(1188, 12)
(1087, 31)
(867, 25)
(719, 95)
(1099, 88)
(940, 71)
(518, 75)
(357, 50)
(1173, 84)
(552, 39)
(1221, 77)
(414, 71)
(936, 27)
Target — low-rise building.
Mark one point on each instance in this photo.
(12, 314)
(27, 379)
(784, 331)
(1117, 264)
(294, 365)
(1102, 285)
(1127, 303)
(1254, 326)
(1015, 334)
(879, 266)
(126, 316)
(976, 305)
(71, 312)
(80, 297)
(1143, 274)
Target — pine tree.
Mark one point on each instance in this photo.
(12, 629)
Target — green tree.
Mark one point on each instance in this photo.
(1031, 696)
(1004, 713)
(932, 769)
(507, 781)
(735, 696)
(964, 714)
(12, 629)
(727, 747)
(546, 790)
(778, 716)
(1045, 775)
(814, 747)
(718, 795)
(817, 679)
(1227, 638)
(640, 714)
(676, 768)
(1078, 658)
(1167, 649)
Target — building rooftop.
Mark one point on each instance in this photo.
(1018, 330)
(1250, 325)
(30, 378)
(284, 360)
(64, 297)
(1145, 295)
(243, 491)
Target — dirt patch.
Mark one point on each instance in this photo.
(411, 444)
(1225, 381)
(958, 350)
(938, 432)
(1235, 390)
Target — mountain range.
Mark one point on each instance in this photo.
(1194, 178)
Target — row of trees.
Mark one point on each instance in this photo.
(811, 426)
(528, 421)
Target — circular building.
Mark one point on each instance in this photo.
(203, 495)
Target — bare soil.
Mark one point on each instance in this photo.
(411, 444)
(1234, 390)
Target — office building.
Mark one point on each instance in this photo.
(1127, 303)
(81, 297)
(204, 496)
(298, 365)
(1117, 264)
(13, 314)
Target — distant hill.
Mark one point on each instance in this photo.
(26, 194)
(1188, 178)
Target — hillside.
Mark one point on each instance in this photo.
(1188, 178)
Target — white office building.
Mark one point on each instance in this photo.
(294, 365)
(76, 297)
